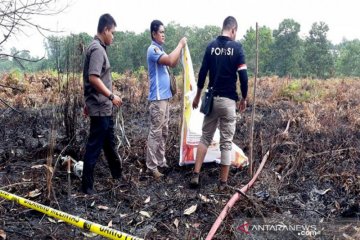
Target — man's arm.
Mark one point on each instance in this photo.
(96, 82)
(196, 100)
(242, 71)
(201, 80)
(95, 67)
(173, 58)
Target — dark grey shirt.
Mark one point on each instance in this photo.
(97, 63)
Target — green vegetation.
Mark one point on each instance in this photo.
(300, 90)
(15, 77)
(115, 76)
(282, 51)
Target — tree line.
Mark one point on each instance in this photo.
(282, 51)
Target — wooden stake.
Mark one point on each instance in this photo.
(69, 178)
(253, 105)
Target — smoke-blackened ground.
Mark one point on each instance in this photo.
(310, 184)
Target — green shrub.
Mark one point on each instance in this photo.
(300, 90)
(15, 77)
(116, 76)
(141, 73)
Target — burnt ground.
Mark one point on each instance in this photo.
(311, 178)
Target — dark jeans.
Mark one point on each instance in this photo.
(101, 137)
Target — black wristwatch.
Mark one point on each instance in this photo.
(111, 97)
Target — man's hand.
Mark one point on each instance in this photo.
(242, 105)
(195, 103)
(117, 101)
(183, 42)
(86, 111)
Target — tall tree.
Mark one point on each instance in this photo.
(142, 42)
(265, 44)
(348, 61)
(319, 61)
(287, 49)
(198, 39)
(121, 51)
(65, 54)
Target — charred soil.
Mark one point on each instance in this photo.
(310, 179)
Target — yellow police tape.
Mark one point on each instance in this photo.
(76, 221)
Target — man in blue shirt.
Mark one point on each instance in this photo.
(159, 95)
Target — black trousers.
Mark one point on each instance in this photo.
(101, 137)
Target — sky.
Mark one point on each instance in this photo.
(135, 15)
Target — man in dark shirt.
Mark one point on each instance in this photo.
(223, 59)
(99, 101)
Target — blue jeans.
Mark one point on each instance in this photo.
(101, 137)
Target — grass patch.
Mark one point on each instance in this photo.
(300, 90)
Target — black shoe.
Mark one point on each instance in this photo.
(88, 191)
(222, 186)
(120, 177)
(194, 181)
(117, 174)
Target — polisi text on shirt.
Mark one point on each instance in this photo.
(222, 51)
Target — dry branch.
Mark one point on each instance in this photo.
(16, 15)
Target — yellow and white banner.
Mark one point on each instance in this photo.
(192, 124)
